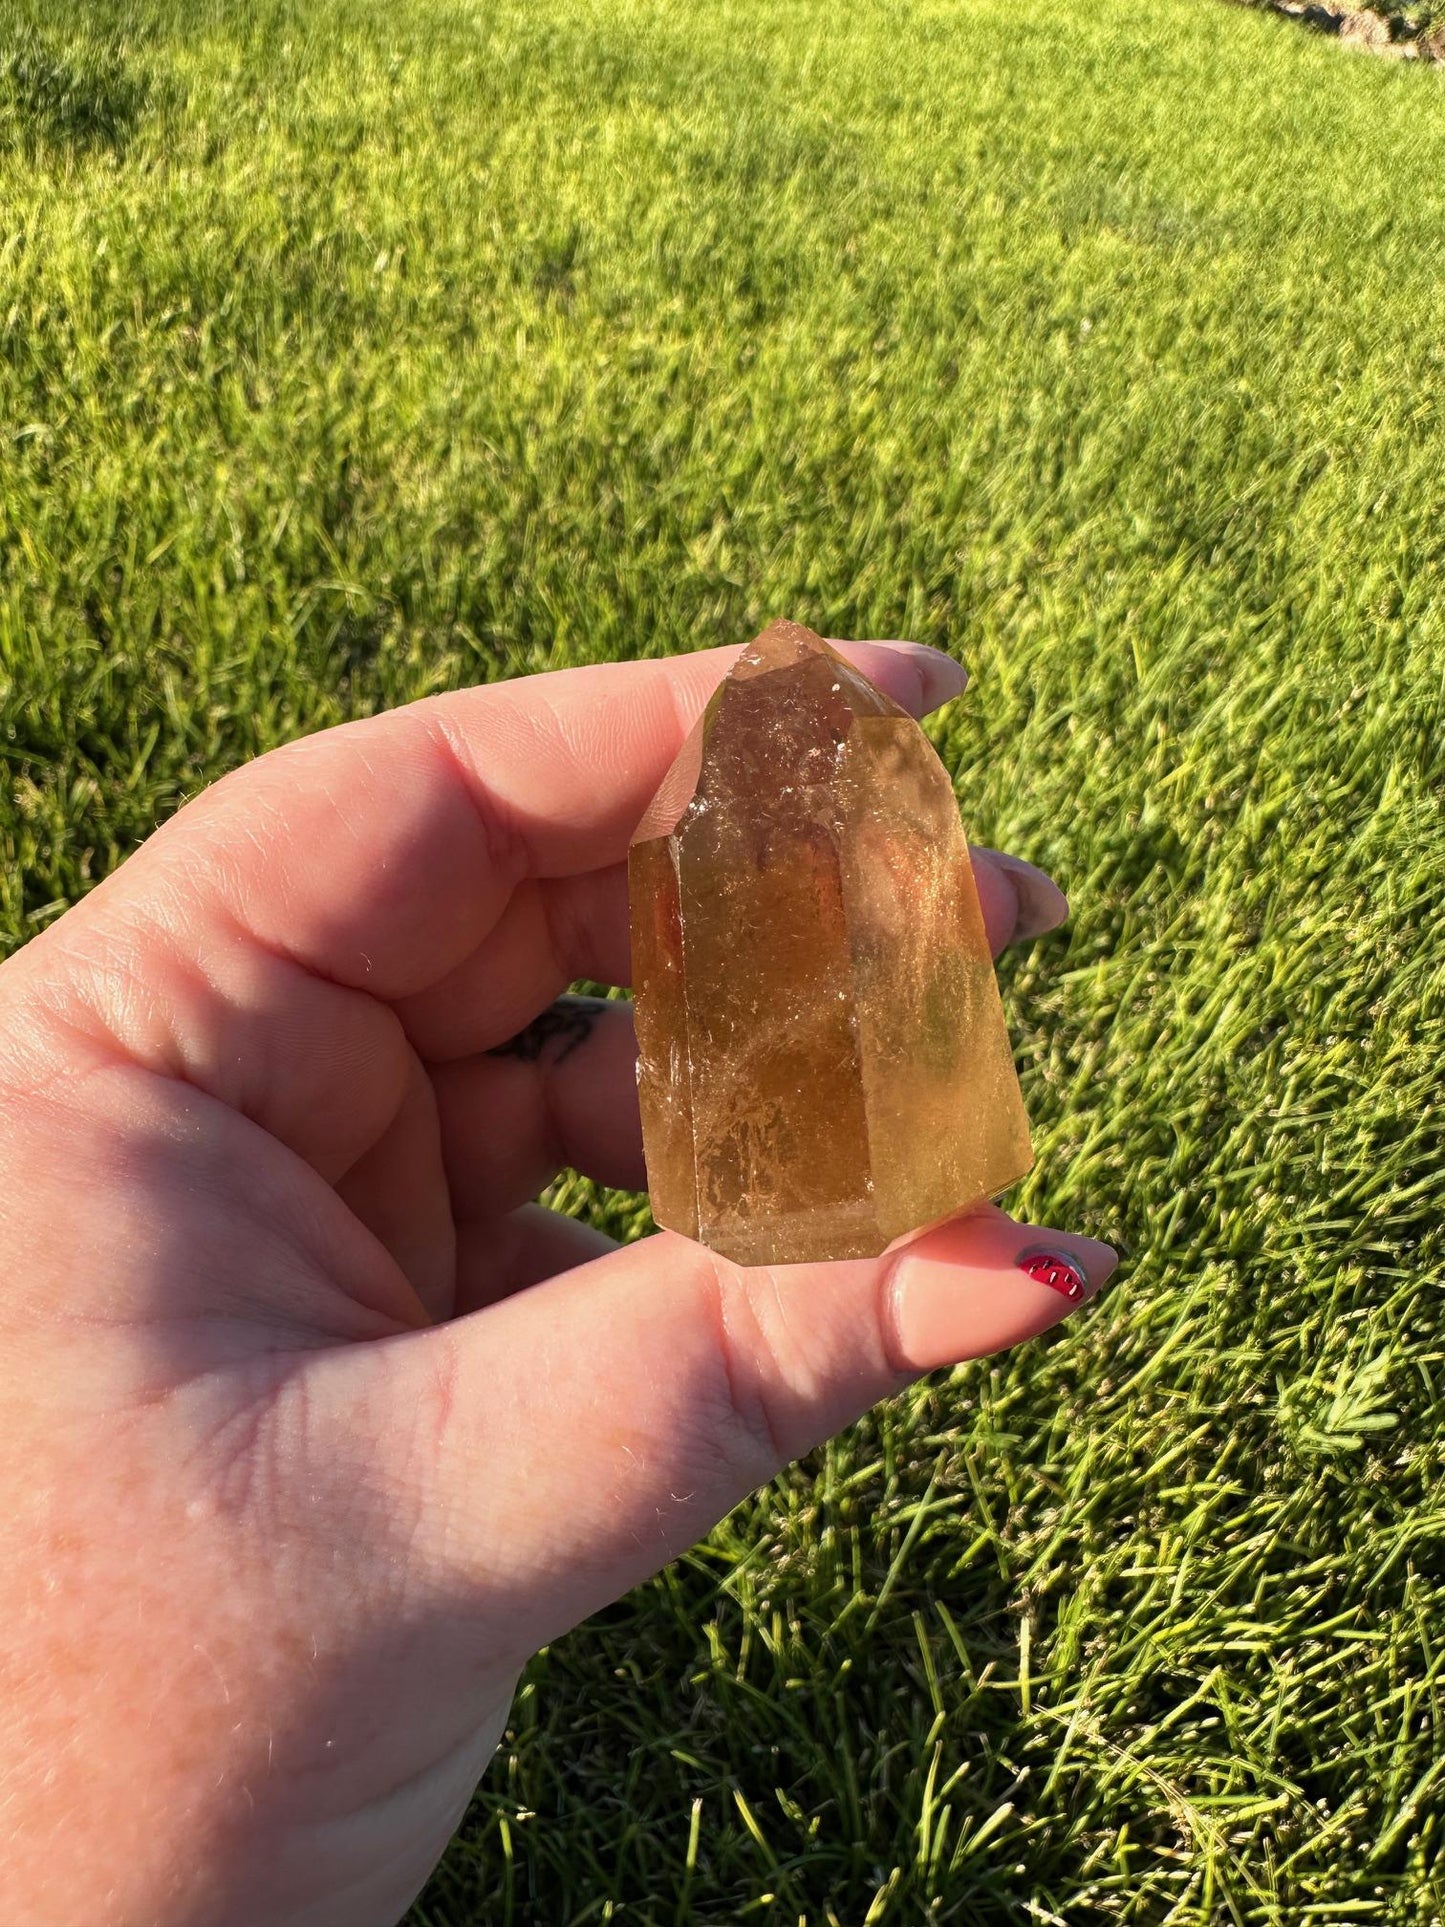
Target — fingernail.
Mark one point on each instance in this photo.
(943, 678)
(1042, 905)
(964, 1288)
(1076, 1271)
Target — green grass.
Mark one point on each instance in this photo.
(349, 352)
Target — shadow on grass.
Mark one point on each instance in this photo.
(781, 1728)
(76, 93)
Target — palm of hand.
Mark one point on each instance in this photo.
(291, 1518)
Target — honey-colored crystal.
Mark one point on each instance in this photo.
(823, 1058)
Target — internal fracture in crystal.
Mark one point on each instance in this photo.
(824, 1063)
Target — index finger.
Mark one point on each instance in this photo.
(379, 854)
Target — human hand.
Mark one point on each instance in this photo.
(312, 1427)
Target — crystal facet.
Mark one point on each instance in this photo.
(823, 1058)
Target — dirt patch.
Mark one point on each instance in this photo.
(1370, 30)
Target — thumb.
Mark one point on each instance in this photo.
(582, 1433)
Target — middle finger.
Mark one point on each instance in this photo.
(556, 930)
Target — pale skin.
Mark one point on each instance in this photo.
(313, 1427)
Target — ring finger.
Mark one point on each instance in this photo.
(563, 1090)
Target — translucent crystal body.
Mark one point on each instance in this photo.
(823, 1058)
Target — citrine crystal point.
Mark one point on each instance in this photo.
(823, 1059)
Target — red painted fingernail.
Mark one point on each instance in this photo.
(1058, 1271)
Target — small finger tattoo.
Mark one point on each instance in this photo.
(555, 1032)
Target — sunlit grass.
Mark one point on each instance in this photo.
(349, 352)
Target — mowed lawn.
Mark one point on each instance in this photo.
(351, 352)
